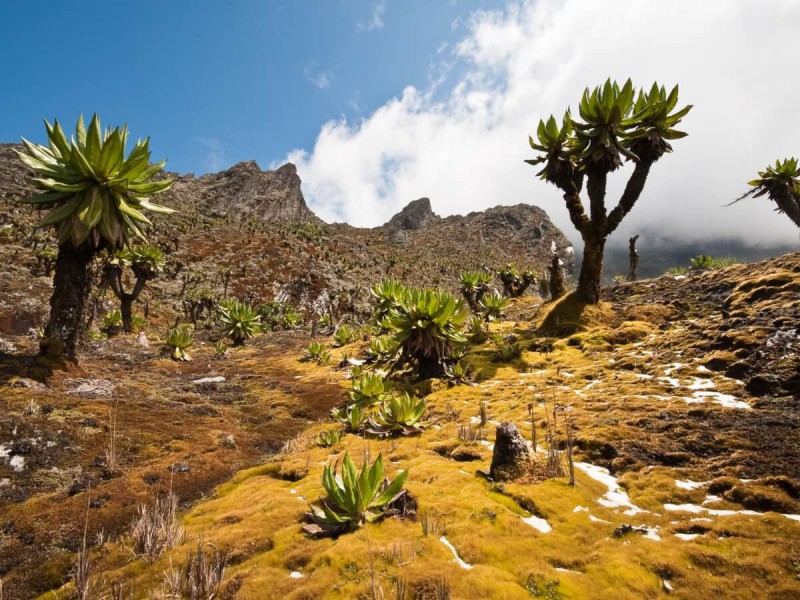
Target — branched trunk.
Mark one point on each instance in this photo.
(126, 299)
(72, 286)
(592, 268)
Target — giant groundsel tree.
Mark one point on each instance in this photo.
(96, 196)
(615, 124)
(781, 184)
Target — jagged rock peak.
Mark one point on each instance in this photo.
(417, 214)
(244, 190)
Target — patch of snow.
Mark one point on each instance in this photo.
(674, 367)
(667, 585)
(563, 570)
(701, 384)
(652, 534)
(643, 376)
(356, 362)
(687, 484)
(488, 444)
(292, 491)
(5, 450)
(615, 497)
(703, 369)
(296, 575)
(538, 523)
(598, 520)
(673, 381)
(580, 509)
(716, 512)
(687, 537)
(461, 563)
(17, 463)
(725, 400)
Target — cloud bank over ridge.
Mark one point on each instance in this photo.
(464, 147)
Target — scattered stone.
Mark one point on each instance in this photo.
(763, 384)
(510, 457)
(91, 388)
(180, 467)
(207, 380)
(24, 382)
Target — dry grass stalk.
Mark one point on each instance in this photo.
(157, 528)
(432, 523)
(469, 435)
(85, 584)
(200, 578)
(111, 456)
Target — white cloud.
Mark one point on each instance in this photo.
(466, 151)
(215, 153)
(320, 78)
(375, 20)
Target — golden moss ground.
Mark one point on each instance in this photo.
(613, 380)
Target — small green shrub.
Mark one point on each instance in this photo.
(398, 415)
(426, 326)
(474, 284)
(352, 417)
(329, 437)
(178, 340)
(353, 498)
(316, 352)
(369, 389)
(493, 306)
(345, 334)
(112, 323)
(239, 321)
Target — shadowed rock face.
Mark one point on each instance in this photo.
(510, 457)
(416, 215)
(243, 191)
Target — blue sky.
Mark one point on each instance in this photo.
(351, 91)
(216, 82)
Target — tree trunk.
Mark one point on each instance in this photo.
(72, 286)
(788, 203)
(126, 308)
(592, 268)
(633, 258)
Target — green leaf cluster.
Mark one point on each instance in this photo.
(615, 123)
(239, 321)
(345, 334)
(317, 352)
(426, 324)
(178, 340)
(353, 497)
(400, 414)
(94, 192)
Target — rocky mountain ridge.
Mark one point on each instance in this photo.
(248, 233)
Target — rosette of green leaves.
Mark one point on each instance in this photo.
(493, 306)
(399, 415)
(94, 192)
(369, 389)
(353, 497)
(781, 184)
(389, 294)
(178, 340)
(239, 320)
(427, 324)
(352, 417)
(345, 334)
(316, 352)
